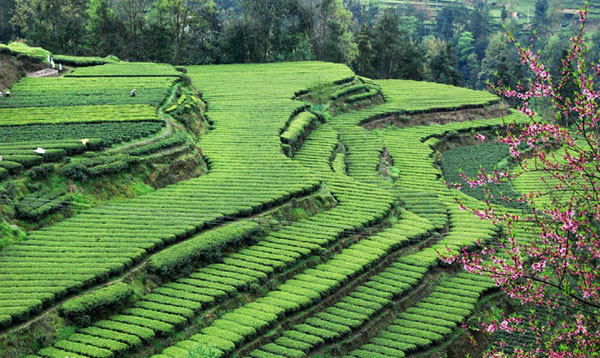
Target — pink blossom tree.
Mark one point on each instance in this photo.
(556, 269)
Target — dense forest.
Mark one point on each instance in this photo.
(460, 43)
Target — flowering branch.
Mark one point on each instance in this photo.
(550, 255)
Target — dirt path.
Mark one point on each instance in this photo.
(47, 72)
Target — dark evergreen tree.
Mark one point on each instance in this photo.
(443, 69)
(103, 30)
(363, 64)
(540, 16)
(57, 25)
(479, 26)
(396, 56)
(239, 43)
(450, 20)
(6, 30)
(444, 23)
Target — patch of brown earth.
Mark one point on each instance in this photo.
(435, 117)
(385, 163)
(47, 72)
(9, 72)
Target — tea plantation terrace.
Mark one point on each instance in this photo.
(325, 279)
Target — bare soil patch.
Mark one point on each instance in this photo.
(47, 72)
(434, 117)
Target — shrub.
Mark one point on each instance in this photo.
(37, 205)
(81, 308)
(54, 155)
(11, 167)
(203, 351)
(298, 127)
(27, 161)
(25, 57)
(75, 171)
(98, 166)
(204, 247)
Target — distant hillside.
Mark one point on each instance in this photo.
(520, 9)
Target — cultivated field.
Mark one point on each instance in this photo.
(227, 269)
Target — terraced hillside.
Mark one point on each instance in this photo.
(216, 264)
(524, 8)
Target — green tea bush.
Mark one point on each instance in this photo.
(202, 248)
(37, 205)
(82, 308)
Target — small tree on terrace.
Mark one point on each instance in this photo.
(559, 270)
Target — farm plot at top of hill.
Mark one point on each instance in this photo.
(413, 96)
(62, 91)
(409, 97)
(250, 106)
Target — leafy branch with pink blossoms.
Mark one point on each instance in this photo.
(549, 257)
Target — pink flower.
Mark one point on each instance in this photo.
(480, 137)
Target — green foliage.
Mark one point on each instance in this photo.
(40, 171)
(83, 60)
(339, 163)
(26, 160)
(33, 135)
(250, 106)
(395, 55)
(299, 127)
(363, 64)
(320, 94)
(127, 69)
(468, 160)
(204, 247)
(35, 54)
(81, 308)
(11, 167)
(96, 166)
(107, 239)
(10, 234)
(176, 139)
(348, 90)
(188, 109)
(442, 68)
(73, 91)
(37, 205)
(501, 63)
(203, 351)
